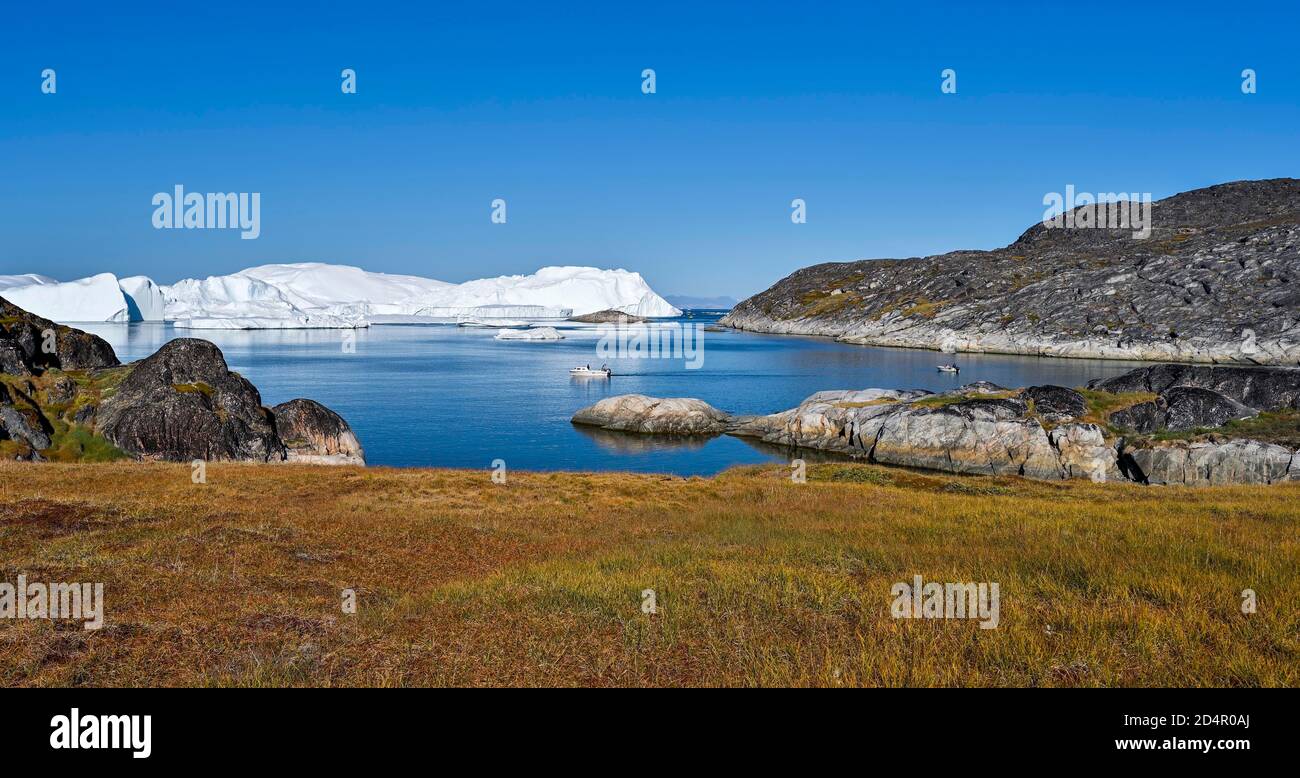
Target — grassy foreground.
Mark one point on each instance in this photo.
(758, 580)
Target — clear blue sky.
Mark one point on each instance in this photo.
(757, 104)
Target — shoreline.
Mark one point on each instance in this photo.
(1071, 350)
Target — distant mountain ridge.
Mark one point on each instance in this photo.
(684, 301)
(1217, 281)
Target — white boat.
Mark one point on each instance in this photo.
(949, 369)
(588, 372)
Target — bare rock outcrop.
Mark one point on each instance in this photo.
(30, 345)
(314, 434)
(181, 404)
(1216, 281)
(638, 413)
(1043, 432)
(1211, 463)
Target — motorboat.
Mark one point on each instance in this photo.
(590, 372)
(949, 369)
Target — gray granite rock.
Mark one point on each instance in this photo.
(1217, 280)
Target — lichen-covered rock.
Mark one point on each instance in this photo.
(314, 434)
(1084, 452)
(975, 436)
(1208, 463)
(1056, 403)
(183, 403)
(1182, 408)
(608, 316)
(30, 344)
(638, 413)
(23, 423)
(1263, 388)
(1217, 280)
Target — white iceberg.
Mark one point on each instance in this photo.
(94, 299)
(316, 295)
(240, 302)
(144, 298)
(537, 333)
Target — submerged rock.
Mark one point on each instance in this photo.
(314, 434)
(638, 413)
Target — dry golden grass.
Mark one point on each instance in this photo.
(759, 581)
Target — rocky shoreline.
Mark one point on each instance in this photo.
(1167, 424)
(64, 396)
(1217, 281)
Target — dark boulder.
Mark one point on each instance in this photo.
(609, 316)
(25, 347)
(1056, 403)
(980, 387)
(21, 420)
(1182, 408)
(313, 433)
(183, 403)
(1263, 388)
(984, 408)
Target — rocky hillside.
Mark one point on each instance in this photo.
(1217, 280)
(1168, 424)
(64, 396)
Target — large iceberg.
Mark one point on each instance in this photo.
(144, 298)
(316, 295)
(95, 299)
(312, 294)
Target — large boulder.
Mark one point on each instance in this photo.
(1084, 452)
(183, 403)
(991, 437)
(22, 421)
(30, 344)
(1182, 408)
(314, 434)
(1056, 403)
(638, 413)
(1209, 463)
(1263, 388)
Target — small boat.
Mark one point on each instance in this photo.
(588, 372)
(949, 369)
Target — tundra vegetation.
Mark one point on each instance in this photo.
(758, 580)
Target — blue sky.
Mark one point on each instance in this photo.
(757, 104)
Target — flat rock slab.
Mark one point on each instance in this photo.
(639, 413)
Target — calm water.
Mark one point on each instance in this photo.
(449, 396)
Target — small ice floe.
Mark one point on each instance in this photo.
(537, 333)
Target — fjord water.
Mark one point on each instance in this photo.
(447, 396)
